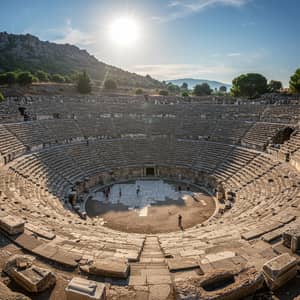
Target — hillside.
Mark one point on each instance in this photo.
(27, 52)
(192, 82)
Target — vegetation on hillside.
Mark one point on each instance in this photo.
(84, 83)
(202, 90)
(295, 82)
(110, 84)
(27, 52)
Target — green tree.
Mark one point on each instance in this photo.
(8, 78)
(185, 94)
(202, 90)
(25, 78)
(110, 84)
(184, 86)
(295, 82)
(163, 93)
(274, 86)
(58, 78)
(249, 85)
(84, 84)
(42, 76)
(1, 97)
(223, 89)
(139, 92)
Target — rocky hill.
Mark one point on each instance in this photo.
(27, 52)
(192, 82)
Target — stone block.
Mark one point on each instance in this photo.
(30, 277)
(12, 225)
(82, 289)
(279, 270)
(288, 235)
(109, 268)
(180, 264)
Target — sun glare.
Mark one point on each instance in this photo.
(124, 31)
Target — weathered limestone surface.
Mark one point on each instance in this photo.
(12, 225)
(7, 294)
(213, 286)
(32, 278)
(82, 289)
(279, 270)
(109, 268)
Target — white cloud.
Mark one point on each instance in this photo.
(184, 8)
(175, 71)
(71, 35)
(234, 54)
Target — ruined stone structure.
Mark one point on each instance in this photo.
(72, 144)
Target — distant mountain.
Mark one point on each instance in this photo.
(27, 52)
(192, 82)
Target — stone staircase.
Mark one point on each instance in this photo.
(150, 276)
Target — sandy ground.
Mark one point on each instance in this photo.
(162, 217)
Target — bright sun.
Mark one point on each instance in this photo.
(124, 31)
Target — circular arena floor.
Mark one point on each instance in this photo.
(150, 206)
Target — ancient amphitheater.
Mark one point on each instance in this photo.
(55, 150)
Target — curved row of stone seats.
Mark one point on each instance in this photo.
(260, 135)
(49, 221)
(10, 146)
(38, 134)
(292, 145)
(260, 209)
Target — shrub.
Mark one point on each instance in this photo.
(139, 92)
(185, 94)
(84, 83)
(8, 78)
(110, 84)
(42, 76)
(58, 78)
(1, 97)
(25, 78)
(163, 93)
(295, 82)
(202, 90)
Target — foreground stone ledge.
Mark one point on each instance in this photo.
(279, 270)
(82, 289)
(108, 268)
(30, 277)
(12, 225)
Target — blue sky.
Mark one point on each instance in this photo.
(211, 39)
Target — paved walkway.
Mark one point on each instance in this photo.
(150, 277)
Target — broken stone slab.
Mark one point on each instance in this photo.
(108, 268)
(30, 277)
(275, 283)
(289, 235)
(213, 257)
(82, 289)
(12, 225)
(58, 255)
(180, 264)
(220, 285)
(40, 232)
(279, 265)
(261, 230)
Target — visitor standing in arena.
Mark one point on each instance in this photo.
(180, 222)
